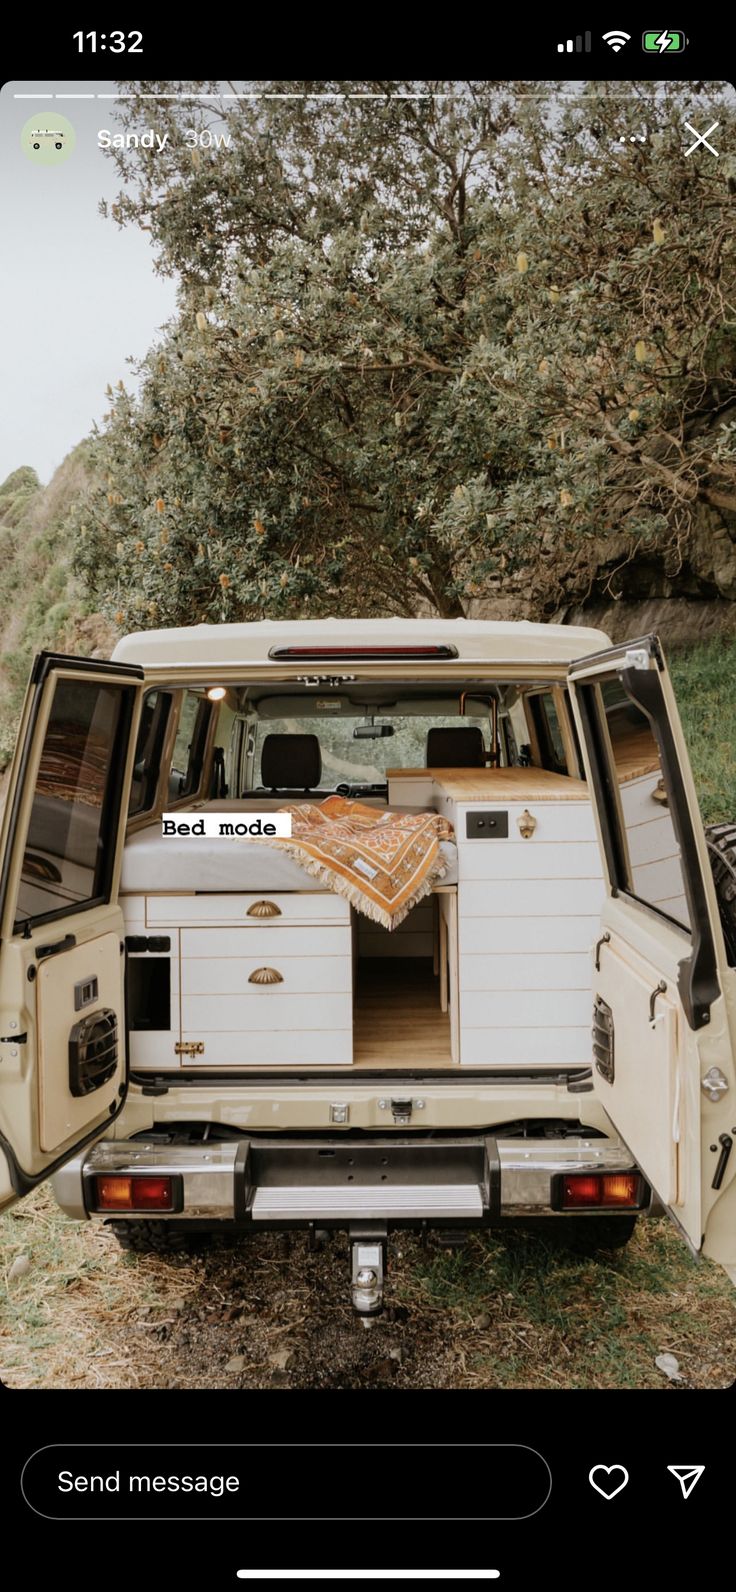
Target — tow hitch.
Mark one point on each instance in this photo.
(367, 1267)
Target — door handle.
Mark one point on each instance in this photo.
(604, 940)
(67, 944)
(660, 989)
(726, 1143)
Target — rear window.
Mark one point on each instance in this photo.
(188, 755)
(70, 844)
(149, 747)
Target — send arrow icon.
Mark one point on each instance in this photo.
(688, 1476)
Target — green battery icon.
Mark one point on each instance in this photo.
(667, 42)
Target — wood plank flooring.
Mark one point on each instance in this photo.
(397, 1018)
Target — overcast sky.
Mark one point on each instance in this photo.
(78, 295)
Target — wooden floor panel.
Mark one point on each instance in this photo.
(397, 1019)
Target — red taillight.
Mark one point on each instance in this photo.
(138, 1193)
(601, 1188)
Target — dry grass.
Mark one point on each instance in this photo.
(511, 1311)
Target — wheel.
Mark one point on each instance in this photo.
(721, 840)
(155, 1238)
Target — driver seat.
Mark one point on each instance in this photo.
(291, 765)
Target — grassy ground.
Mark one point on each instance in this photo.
(508, 1312)
(505, 1312)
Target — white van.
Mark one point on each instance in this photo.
(201, 1033)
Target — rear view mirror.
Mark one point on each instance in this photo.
(372, 732)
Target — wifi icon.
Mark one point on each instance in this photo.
(617, 39)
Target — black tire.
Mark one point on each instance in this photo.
(156, 1238)
(721, 840)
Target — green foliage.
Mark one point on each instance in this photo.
(423, 347)
(704, 677)
(43, 601)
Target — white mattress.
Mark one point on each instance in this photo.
(194, 863)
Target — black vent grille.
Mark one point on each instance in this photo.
(603, 1046)
(93, 1052)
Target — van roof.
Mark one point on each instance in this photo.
(476, 640)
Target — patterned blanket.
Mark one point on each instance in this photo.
(382, 861)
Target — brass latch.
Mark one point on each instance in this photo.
(194, 1048)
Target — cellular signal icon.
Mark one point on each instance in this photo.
(581, 43)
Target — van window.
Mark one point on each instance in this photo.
(547, 725)
(71, 835)
(149, 747)
(652, 862)
(188, 754)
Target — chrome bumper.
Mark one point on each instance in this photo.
(225, 1182)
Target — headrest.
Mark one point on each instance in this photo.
(460, 747)
(291, 762)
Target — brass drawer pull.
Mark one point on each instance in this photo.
(264, 909)
(265, 975)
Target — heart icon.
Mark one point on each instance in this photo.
(608, 1486)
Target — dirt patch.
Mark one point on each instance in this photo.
(509, 1311)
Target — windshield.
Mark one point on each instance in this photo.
(346, 759)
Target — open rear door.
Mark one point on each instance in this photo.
(62, 1020)
(664, 1021)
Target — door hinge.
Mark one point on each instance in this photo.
(194, 1048)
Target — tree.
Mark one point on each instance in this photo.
(424, 348)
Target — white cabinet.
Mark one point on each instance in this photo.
(247, 990)
(528, 908)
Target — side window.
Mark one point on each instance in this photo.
(651, 859)
(547, 725)
(147, 763)
(188, 754)
(70, 844)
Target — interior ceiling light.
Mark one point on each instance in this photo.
(216, 693)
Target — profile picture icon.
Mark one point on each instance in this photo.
(47, 139)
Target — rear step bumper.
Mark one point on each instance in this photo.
(260, 1183)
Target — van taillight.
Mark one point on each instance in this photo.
(137, 1193)
(591, 1190)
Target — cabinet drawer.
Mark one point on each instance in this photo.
(526, 1047)
(310, 907)
(537, 859)
(555, 821)
(266, 941)
(266, 1048)
(300, 975)
(265, 1007)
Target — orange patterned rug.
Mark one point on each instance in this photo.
(382, 861)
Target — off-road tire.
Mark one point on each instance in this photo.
(721, 840)
(156, 1238)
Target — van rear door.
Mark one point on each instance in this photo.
(63, 1073)
(664, 996)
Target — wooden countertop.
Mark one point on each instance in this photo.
(498, 784)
